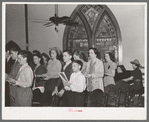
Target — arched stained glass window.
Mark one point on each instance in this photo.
(98, 28)
(106, 37)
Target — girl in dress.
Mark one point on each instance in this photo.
(110, 67)
(38, 84)
(51, 77)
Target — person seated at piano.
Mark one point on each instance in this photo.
(136, 76)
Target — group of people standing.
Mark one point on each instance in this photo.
(33, 78)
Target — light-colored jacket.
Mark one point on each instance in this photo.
(97, 75)
(25, 76)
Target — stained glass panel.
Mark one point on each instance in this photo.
(98, 28)
(106, 39)
(91, 13)
(78, 37)
(78, 31)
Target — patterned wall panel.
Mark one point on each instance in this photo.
(91, 13)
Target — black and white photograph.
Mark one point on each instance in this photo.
(74, 61)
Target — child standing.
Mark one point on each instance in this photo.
(76, 85)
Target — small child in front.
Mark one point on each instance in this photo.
(76, 84)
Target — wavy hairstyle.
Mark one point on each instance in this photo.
(80, 54)
(27, 54)
(39, 56)
(97, 53)
(111, 55)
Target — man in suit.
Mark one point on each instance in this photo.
(13, 73)
(9, 62)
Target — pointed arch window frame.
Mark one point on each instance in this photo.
(92, 31)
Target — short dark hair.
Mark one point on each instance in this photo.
(68, 51)
(97, 53)
(26, 54)
(36, 52)
(78, 62)
(15, 48)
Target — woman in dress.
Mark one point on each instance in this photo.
(110, 67)
(51, 77)
(94, 73)
(24, 80)
(38, 84)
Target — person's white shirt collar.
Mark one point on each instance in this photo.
(77, 72)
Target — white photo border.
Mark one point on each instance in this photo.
(71, 113)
